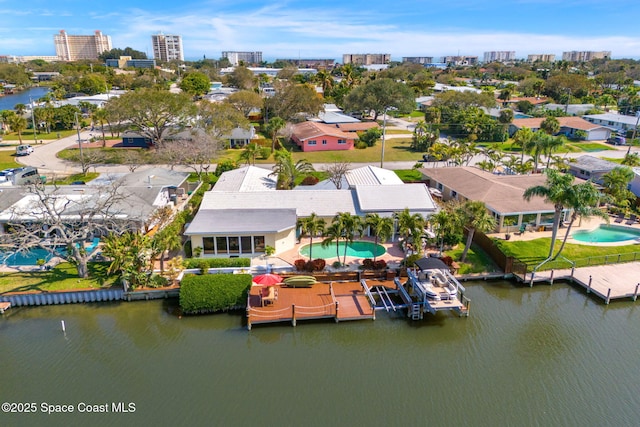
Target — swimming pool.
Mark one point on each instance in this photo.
(358, 249)
(607, 234)
(30, 257)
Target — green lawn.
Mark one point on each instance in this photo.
(477, 260)
(114, 156)
(591, 146)
(398, 132)
(409, 175)
(532, 252)
(27, 135)
(77, 177)
(8, 160)
(63, 277)
(618, 161)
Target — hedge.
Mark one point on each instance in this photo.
(217, 262)
(213, 292)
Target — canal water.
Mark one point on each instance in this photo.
(546, 356)
(8, 102)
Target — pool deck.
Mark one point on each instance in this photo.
(609, 282)
(586, 224)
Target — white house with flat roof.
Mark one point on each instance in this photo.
(244, 213)
(613, 121)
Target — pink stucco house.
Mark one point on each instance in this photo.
(313, 136)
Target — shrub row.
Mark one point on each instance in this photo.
(369, 264)
(315, 265)
(213, 292)
(216, 262)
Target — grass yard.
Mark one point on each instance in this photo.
(477, 260)
(398, 132)
(8, 160)
(591, 147)
(27, 136)
(533, 252)
(63, 277)
(77, 177)
(409, 175)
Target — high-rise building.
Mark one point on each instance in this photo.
(167, 47)
(73, 48)
(457, 60)
(309, 63)
(585, 55)
(366, 58)
(418, 59)
(544, 57)
(246, 57)
(500, 56)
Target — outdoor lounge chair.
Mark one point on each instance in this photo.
(619, 218)
(632, 220)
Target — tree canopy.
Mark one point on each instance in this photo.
(116, 53)
(380, 94)
(195, 83)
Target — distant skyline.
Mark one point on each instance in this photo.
(305, 29)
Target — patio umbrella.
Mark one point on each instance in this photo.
(268, 279)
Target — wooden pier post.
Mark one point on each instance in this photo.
(248, 318)
(608, 296)
(635, 294)
(573, 269)
(589, 285)
(551, 278)
(293, 314)
(337, 312)
(531, 281)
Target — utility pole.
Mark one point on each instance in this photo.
(79, 141)
(33, 120)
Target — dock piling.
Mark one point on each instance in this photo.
(551, 278)
(635, 294)
(589, 285)
(293, 314)
(608, 296)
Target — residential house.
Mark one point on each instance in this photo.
(614, 121)
(312, 136)
(502, 195)
(568, 126)
(591, 168)
(140, 194)
(571, 109)
(241, 137)
(244, 212)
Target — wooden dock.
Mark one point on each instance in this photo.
(609, 282)
(338, 301)
(4, 306)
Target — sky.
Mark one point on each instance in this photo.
(321, 29)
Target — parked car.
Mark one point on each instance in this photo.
(24, 150)
(617, 140)
(26, 175)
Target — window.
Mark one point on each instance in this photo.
(258, 243)
(234, 245)
(221, 243)
(324, 142)
(454, 194)
(342, 141)
(440, 187)
(207, 243)
(245, 244)
(311, 142)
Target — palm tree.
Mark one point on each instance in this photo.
(380, 227)
(20, 109)
(583, 200)
(558, 191)
(550, 125)
(250, 153)
(474, 216)
(100, 116)
(287, 171)
(552, 144)
(444, 223)
(273, 127)
(350, 226)
(522, 139)
(167, 239)
(325, 79)
(17, 124)
(616, 183)
(333, 233)
(631, 159)
(311, 225)
(410, 228)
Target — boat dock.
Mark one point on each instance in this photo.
(4, 306)
(609, 282)
(340, 301)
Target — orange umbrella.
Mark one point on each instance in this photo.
(268, 279)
